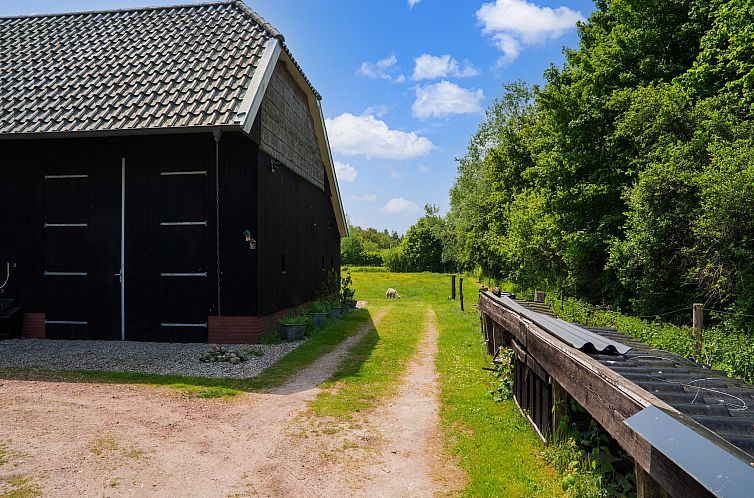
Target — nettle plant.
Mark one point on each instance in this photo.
(503, 372)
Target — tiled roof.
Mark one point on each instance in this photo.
(141, 69)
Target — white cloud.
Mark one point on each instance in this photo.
(377, 110)
(368, 136)
(393, 174)
(429, 67)
(411, 3)
(424, 168)
(383, 69)
(364, 198)
(515, 23)
(445, 98)
(399, 205)
(345, 172)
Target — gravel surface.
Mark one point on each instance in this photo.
(146, 357)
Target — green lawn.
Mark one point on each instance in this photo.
(493, 442)
(320, 343)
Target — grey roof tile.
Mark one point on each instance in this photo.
(181, 66)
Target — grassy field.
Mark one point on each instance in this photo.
(492, 441)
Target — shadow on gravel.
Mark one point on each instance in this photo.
(282, 373)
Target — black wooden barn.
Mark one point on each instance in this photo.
(165, 175)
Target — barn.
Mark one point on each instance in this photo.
(165, 175)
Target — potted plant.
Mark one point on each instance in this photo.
(346, 293)
(334, 306)
(318, 312)
(294, 326)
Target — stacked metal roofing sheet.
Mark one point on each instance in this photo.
(576, 336)
(142, 69)
(722, 404)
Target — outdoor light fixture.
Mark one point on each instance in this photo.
(275, 165)
(248, 238)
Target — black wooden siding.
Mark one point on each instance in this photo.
(297, 223)
(280, 210)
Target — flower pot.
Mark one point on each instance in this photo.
(293, 332)
(317, 318)
(334, 313)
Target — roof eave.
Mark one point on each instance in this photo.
(120, 132)
(252, 100)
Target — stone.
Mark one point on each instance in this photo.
(235, 360)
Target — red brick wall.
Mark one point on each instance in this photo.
(33, 326)
(243, 329)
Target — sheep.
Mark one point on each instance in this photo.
(392, 294)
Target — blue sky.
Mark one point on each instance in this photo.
(404, 82)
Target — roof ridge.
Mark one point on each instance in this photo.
(133, 9)
(272, 30)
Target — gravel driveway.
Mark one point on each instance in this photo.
(126, 356)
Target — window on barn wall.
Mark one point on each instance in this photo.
(282, 264)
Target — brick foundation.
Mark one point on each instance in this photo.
(33, 326)
(244, 329)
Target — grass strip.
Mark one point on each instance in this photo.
(320, 343)
(373, 368)
(495, 445)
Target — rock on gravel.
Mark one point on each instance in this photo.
(127, 356)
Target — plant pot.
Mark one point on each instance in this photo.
(345, 308)
(293, 332)
(334, 313)
(317, 318)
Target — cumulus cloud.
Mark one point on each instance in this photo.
(383, 69)
(429, 67)
(512, 24)
(399, 205)
(368, 136)
(345, 172)
(445, 98)
(364, 198)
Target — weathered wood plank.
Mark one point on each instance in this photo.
(607, 396)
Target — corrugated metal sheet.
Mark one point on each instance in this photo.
(723, 404)
(578, 337)
(142, 69)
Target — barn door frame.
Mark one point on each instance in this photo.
(122, 272)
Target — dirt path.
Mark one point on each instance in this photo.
(395, 450)
(69, 439)
(413, 462)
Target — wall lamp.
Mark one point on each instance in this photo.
(250, 240)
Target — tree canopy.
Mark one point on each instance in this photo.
(628, 176)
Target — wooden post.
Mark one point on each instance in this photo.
(453, 287)
(562, 300)
(460, 291)
(646, 487)
(539, 297)
(559, 408)
(697, 320)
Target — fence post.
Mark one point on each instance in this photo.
(453, 287)
(460, 290)
(697, 320)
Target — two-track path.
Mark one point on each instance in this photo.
(74, 439)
